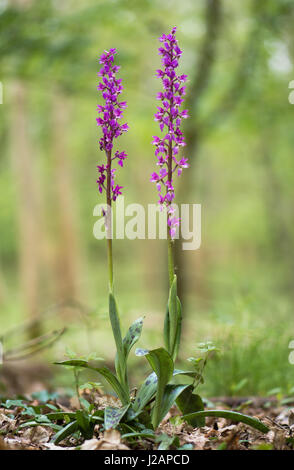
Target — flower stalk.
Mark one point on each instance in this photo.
(167, 148)
(170, 254)
(109, 115)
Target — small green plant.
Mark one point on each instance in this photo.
(80, 423)
(140, 416)
(77, 370)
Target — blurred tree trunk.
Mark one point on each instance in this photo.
(67, 255)
(278, 219)
(197, 88)
(28, 209)
(196, 128)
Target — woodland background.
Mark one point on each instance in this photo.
(238, 288)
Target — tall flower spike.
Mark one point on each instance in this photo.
(169, 117)
(109, 115)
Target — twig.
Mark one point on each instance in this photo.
(40, 342)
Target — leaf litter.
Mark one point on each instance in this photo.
(217, 434)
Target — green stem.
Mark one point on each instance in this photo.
(109, 222)
(171, 268)
(76, 376)
(110, 264)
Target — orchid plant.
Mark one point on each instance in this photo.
(140, 415)
(167, 148)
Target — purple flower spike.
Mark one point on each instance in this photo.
(109, 115)
(169, 116)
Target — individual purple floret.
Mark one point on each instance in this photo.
(109, 115)
(169, 117)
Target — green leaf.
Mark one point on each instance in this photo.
(105, 372)
(73, 363)
(69, 429)
(165, 441)
(85, 404)
(31, 411)
(173, 321)
(189, 373)
(115, 324)
(148, 389)
(166, 330)
(207, 347)
(117, 387)
(70, 353)
(61, 415)
(52, 407)
(146, 393)
(44, 396)
(163, 366)
(186, 447)
(149, 434)
(171, 393)
(92, 357)
(97, 415)
(188, 402)
(97, 418)
(32, 424)
(84, 423)
(179, 330)
(42, 419)
(13, 403)
(90, 385)
(113, 416)
(173, 315)
(232, 415)
(132, 336)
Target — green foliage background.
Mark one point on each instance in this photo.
(239, 285)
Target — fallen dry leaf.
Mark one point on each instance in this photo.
(37, 435)
(291, 418)
(51, 446)
(91, 444)
(279, 440)
(111, 440)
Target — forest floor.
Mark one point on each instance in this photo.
(218, 434)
